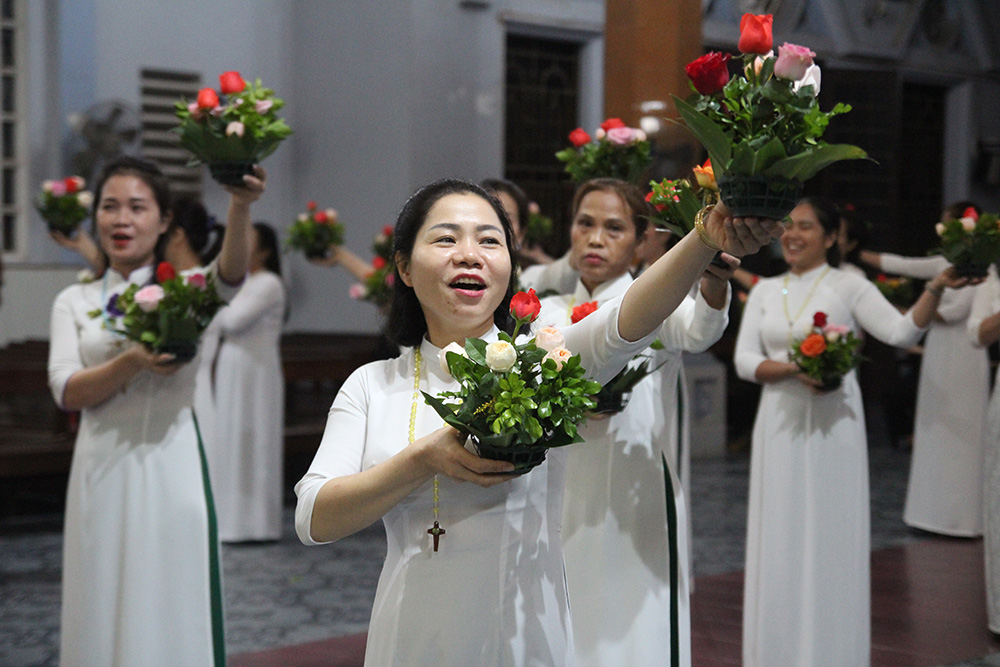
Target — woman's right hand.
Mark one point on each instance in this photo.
(443, 451)
(740, 236)
(145, 359)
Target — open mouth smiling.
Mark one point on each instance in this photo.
(468, 285)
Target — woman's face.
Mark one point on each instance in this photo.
(459, 267)
(804, 243)
(603, 238)
(129, 222)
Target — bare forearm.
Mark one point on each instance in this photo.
(989, 330)
(90, 386)
(660, 289)
(773, 371)
(714, 290)
(235, 253)
(356, 266)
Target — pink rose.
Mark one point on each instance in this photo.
(549, 338)
(357, 291)
(560, 355)
(390, 279)
(195, 111)
(235, 127)
(58, 188)
(621, 135)
(263, 106)
(149, 297)
(793, 61)
(197, 280)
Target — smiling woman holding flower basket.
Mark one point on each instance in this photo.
(141, 577)
(807, 590)
(474, 572)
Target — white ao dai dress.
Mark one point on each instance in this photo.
(141, 574)
(625, 518)
(807, 589)
(985, 304)
(945, 492)
(494, 595)
(245, 460)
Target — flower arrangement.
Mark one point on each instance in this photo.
(617, 151)
(897, 290)
(828, 353)
(677, 202)
(167, 316)
(377, 286)
(64, 203)
(762, 130)
(516, 400)
(970, 243)
(315, 231)
(615, 394)
(538, 228)
(232, 129)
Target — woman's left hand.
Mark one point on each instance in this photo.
(950, 278)
(252, 188)
(740, 236)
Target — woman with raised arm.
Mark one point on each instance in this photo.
(487, 587)
(141, 576)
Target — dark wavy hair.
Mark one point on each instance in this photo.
(405, 324)
(629, 194)
(148, 173)
(202, 233)
(829, 218)
(857, 229)
(267, 239)
(498, 185)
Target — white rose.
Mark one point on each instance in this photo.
(832, 336)
(500, 356)
(939, 228)
(813, 77)
(560, 355)
(85, 199)
(968, 224)
(443, 355)
(549, 338)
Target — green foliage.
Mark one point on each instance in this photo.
(63, 213)
(897, 290)
(842, 353)
(971, 250)
(532, 404)
(605, 159)
(314, 233)
(204, 133)
(759, 124)
(538, 230)
(676, 204)
(377, 287)
(180, 317)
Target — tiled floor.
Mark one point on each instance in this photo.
(285, 602)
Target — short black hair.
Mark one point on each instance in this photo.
(628, 193)
(405, 324)
(521, 200)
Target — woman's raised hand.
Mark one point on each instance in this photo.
(252, 188)
(740, 236)
(443, 451)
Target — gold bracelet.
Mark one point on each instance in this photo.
(699, 226)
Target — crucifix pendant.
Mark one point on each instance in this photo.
(437, 531)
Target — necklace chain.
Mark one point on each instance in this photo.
(809, 296)
(436, 531)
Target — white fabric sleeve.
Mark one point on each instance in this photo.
(256, 297)
(340, 452)
(556, 276)
(879, 317)
(749, 352)
(985, 302)
(921, 268)
(695, 326)
(226, 291)
(603, 352)
(955, 304)
(64, 346)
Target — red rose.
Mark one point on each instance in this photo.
(71, 184)
(813, 346)
(755, 33)
(320, 217)
(709, 73)
(378, 263)
(581, 311)
(611, 124)
(387, 230)
(207, 99)
(659, 207)
(819, 319)
(579, 137)
(311, 205)
(231, 82)
(164, 272)
(525, 306)
(970, 212)
(882, 278)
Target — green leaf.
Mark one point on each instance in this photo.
(708, 133)
(804, 166)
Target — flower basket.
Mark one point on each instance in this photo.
(233, 129)
(617, 151)
(64, 204)
(230, 173)
(183, 350)
(970, 243)
(759, 196)
(516, 400)
(524, 457)
(827, 354)
(764, 122)
(831, 383)
(315, 231)
(611, 402)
